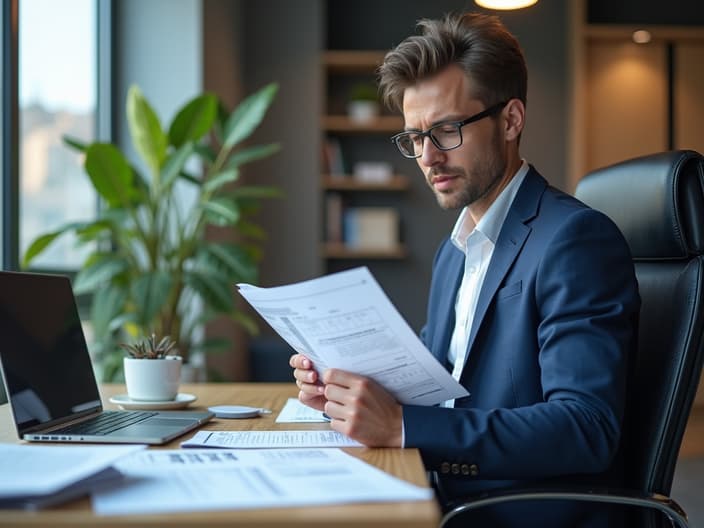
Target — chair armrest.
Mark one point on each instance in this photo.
(662, 503)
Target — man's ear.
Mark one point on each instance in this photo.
(514, 115)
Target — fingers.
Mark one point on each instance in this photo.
(315, 402)
(300, 361)
(306, 378)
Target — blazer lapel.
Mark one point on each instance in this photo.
(508, 246)
(446, 308)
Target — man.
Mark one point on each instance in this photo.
(533, 302)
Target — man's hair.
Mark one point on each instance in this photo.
(479, 44)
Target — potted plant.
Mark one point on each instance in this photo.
(152, 369)
(363, 105)
(151, 268)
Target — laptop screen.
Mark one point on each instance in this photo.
(45, 361)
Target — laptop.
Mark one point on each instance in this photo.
(49, 377)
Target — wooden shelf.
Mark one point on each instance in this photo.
(347, 182)
(343, 124)
(352, 61)
(341, 251)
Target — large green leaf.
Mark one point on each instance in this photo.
(174, 164)
(206, 153)
(214, 287)
(252, 154)
(93, 230)
(108, 304)
(221, 211)
(147, 136)
(149, 293)
(110, 173)
(236, 261)
(220, 179)
(43, 241)
(194, 120)
(98, 273)
(248, 114)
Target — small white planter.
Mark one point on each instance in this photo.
(363, 111)
(152, 379)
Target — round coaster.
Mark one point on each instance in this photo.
(234, 411)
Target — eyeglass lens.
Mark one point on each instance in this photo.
(446, 136)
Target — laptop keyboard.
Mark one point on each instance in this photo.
(106, 422)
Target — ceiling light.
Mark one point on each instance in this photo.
(505, 4)
(642, 36)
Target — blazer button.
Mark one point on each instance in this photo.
(474, 470)
(455, 469)
(465, 469)
(445, 468)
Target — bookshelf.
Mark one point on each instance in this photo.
(361, 210)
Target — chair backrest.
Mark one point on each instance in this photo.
(658, 203)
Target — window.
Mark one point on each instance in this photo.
(58, 96)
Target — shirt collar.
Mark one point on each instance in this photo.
(490, 224)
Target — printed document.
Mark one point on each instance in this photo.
(36, 476)
(160, 481)
(295, 412)
(346, 321)
(269, 439)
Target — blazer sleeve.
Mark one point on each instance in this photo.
(579, 319)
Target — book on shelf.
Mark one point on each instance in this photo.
(333, 217)
(333, 162)
(371, 228)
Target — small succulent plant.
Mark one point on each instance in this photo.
(150, 348)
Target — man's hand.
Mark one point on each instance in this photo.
(361, 409)
(311, 390)
(357, 406)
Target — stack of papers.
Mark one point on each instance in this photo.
(37, 476)
(161, 481)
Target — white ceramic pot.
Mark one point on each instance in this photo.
(363, 111)
(152, 379)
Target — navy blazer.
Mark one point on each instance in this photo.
(546, 363)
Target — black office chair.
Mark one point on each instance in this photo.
(658, 203)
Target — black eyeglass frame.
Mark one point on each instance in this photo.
(459, 124)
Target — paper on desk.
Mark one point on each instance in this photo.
(345, 320)
(35, 476)
(269, 439)
(295, 412)
(161, 481)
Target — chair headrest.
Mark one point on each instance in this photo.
(657, 201)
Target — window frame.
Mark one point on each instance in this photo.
(104, 130)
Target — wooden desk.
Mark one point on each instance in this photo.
(403, 463)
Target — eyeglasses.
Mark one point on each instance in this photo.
(445, 136)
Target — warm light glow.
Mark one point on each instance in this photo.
(642, 36)
(505, 4)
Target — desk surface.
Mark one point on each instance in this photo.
(403, 463)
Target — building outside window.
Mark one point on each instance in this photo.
(58, 94)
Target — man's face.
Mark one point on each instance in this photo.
(468, 174)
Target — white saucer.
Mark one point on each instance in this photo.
(182, 400)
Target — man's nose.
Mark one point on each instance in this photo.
(431, 155)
